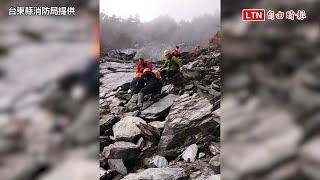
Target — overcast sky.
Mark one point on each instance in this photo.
(150, 9)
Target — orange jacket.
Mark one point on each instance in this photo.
(176, 52)
(138, 74)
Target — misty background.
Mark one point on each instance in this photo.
(150, 22)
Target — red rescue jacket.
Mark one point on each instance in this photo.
(141, 67)
(176, 52)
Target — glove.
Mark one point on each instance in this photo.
(181, 69)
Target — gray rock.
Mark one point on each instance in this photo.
(214, 177)
(148, 162)
(215, 164)
(114, 80)
(147, 145)
(107, 174)
(149, 132)
(188, 87)
(125, 54)
(158, 125)
(195, 175)
(160, 161)
(214, 86)
(190, 116)
(134, 113)
(132, 102)
(115, 102)
(102, 172)
(118, 110)
(167, 88)
(106, 122)
(214, 151)
(214, 92)
(192, 65)
(118, 165)
(159, 174)
(159, 108)
(121, 150)
(198, 175)
(141, 142)
(190, 154)
(126, 129)
(201, 155)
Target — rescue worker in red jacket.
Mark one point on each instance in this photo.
(176, 52)
(135, 86)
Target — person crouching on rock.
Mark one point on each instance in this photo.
(135, 86)
(171, 67)
(152, 86)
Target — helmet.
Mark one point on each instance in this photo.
(146, 69)
(166, 52)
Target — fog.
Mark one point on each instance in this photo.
(149, 21)
(117, 32)
(150, 9)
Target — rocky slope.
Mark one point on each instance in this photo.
(176, 135)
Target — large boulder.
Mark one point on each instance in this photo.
(159, 174)
(190, 120)
(159, 108)
(126, 129)
(121, 150)
(112, 81)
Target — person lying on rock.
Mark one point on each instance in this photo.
(135, 87)
(151, 83)
(171, 67)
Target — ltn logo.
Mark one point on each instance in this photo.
(253, 15)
